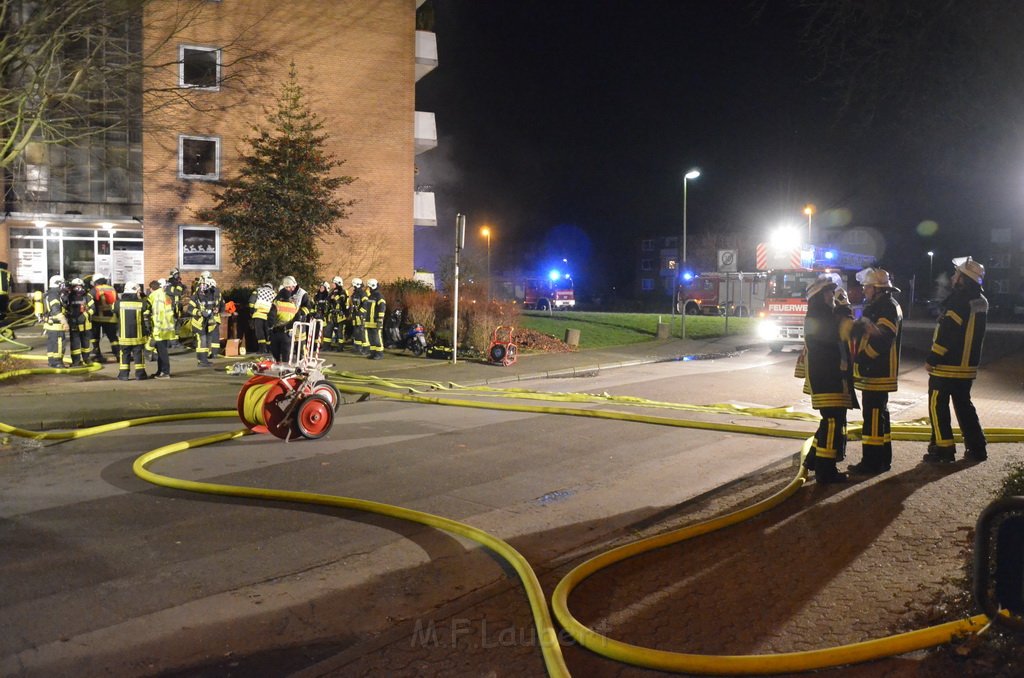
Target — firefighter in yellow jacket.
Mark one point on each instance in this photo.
(134, 324)
(355, 304)
(260, 303)
(204, 309)
(55, 321)
(81, 308)
(291, 305)
(829, 377)
(952, 366)
(876, 368)
(165, 329)
(104, 322)
(372, 311)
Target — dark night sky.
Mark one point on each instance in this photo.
(567, 127)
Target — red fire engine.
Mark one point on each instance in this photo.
(738, 294)
(782, 320)
(553, 292)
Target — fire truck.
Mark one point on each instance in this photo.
(735, 294)
(543, 294)
(782, 319)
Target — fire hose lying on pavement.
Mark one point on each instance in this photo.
(307, 373)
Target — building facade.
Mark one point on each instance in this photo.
(124, 203)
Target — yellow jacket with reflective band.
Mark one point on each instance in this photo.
(877, 365)
(54, 306)
(162, 307)
(959, 334)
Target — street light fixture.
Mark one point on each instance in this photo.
(931, 256)
(486, 232)
(689, 176)
(809, 210)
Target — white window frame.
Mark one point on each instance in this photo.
(647, 245)
(188, 261)
(181, 160)
(647, 284)
(181, 67)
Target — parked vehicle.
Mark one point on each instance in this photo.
(734, 294)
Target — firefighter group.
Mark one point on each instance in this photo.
(142, 323)
(842, 355)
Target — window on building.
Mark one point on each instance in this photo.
(672, 242)
(198, 157)
(1000, 260)
(199, 67)
(1002, 236)
(646, 265)
(647, 284)
(647, 245)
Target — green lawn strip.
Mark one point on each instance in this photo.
(603, 330)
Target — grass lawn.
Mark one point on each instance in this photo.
(601, 330)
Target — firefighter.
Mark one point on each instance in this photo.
(260, 302)
(876, 367)
(175, 289)
(372, 311)
(104, 322)
(164, 326)
(355, 303)
(337, 316)
(81, 308)
(55, 307)
(134, 325)
(204, 309)
(291, 305)
(322, 301)
(829, 377)
(5, 289)
(952, 366)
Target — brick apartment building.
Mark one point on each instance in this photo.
(124, 203)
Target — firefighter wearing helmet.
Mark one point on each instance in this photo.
(876, 367)
(372, 311)
(952, 365)
(337, 316)
(291, 305)
(134, 324)
(829, 377)
(81, 308)
(175, 289)
(104, 322)
(355, 304)
(203, 311)
(260, 303)
(322, 300)
(55, 321)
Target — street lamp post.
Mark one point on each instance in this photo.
(692, 174)
(931, 257)
(809, 211)
(486, 232)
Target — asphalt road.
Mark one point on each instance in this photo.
(115, 576)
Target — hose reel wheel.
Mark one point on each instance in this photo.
(329, 392)
(314, 417)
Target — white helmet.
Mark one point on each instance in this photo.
(338, 281)
(205, 274)
(211, 282)
(357, 282)
(56, 281)
(325, 284)
(372, 283)
(288, 281)
(97, 276)
(77, 281)
(131, 288)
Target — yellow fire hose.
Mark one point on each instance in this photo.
(640, 656)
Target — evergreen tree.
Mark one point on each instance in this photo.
(285, 198)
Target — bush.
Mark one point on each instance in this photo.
(1013, 483)
(479, 320)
